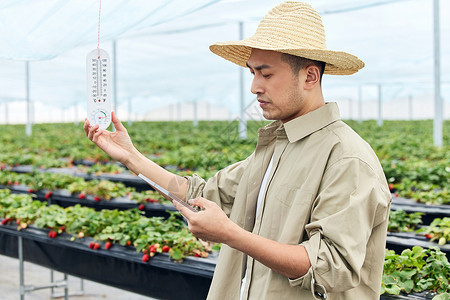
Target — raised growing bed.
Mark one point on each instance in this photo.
(411, 296)
(127, 179)
(120, 266)
(398, 241)
(65, 199)
(430, 211)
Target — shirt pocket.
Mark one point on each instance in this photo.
(290, 211)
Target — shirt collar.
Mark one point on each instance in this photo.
(315, 120)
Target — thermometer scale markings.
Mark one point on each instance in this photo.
(99, 76)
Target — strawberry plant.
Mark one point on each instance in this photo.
(98, 169)
(401, 221)
(416, 168)
(439, 230)
(128, 228)
(415, 270)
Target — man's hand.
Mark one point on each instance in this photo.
(210, 223)
(117, 145)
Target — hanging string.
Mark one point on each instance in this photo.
(98, 37)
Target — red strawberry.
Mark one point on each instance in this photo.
(152, 249)
(10, 182)
(165, 248)
(61, 229)
(428, 235)
(91, 245)
(81, 196)
(16, 183)
(128, 243)
(145, 258)
(145, 251)
(97, 198)
(141, 207)
(391, 186)
(197, 255)
(107, 245)
(96, 246)
(52, 234)
(30, 190)
(4, 221)
(48, 195)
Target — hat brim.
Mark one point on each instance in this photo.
(337, 62)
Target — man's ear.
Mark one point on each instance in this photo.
(312, 76)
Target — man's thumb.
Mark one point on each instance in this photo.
(117, 124)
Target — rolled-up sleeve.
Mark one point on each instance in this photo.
(351, 201)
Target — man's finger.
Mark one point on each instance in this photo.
(200, 202)
(92, 131)
(96, 135)
(186, 212)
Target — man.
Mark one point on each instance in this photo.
(305, 216)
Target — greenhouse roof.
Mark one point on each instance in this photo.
(161, 54)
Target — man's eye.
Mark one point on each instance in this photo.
(266, 75)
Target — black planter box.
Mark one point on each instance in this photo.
(399, 241)
(127, 179)
(120, 267)
(411, 296)
(430, 211)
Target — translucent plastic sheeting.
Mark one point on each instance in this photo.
(170, 62)
(36, 30)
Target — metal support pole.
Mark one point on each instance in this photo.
(195, 113)
(21, 275)
(410, 107)
(75, 109)
(27, 84)
(66, 288)
(208, 110)
(380, 107)
(438, 107)
(6, 113)
(350, 109)
(52, 279)
(360, 104)
(242, 120)
(130, 121)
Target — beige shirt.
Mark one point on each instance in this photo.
(326, 191)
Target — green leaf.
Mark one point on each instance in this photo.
(393, 289)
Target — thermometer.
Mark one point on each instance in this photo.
(98, 88)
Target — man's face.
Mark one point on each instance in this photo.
(279, 92)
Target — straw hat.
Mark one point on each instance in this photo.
(295, 28)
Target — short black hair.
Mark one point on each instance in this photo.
(297, 63)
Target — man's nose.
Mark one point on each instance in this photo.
(256, 87)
